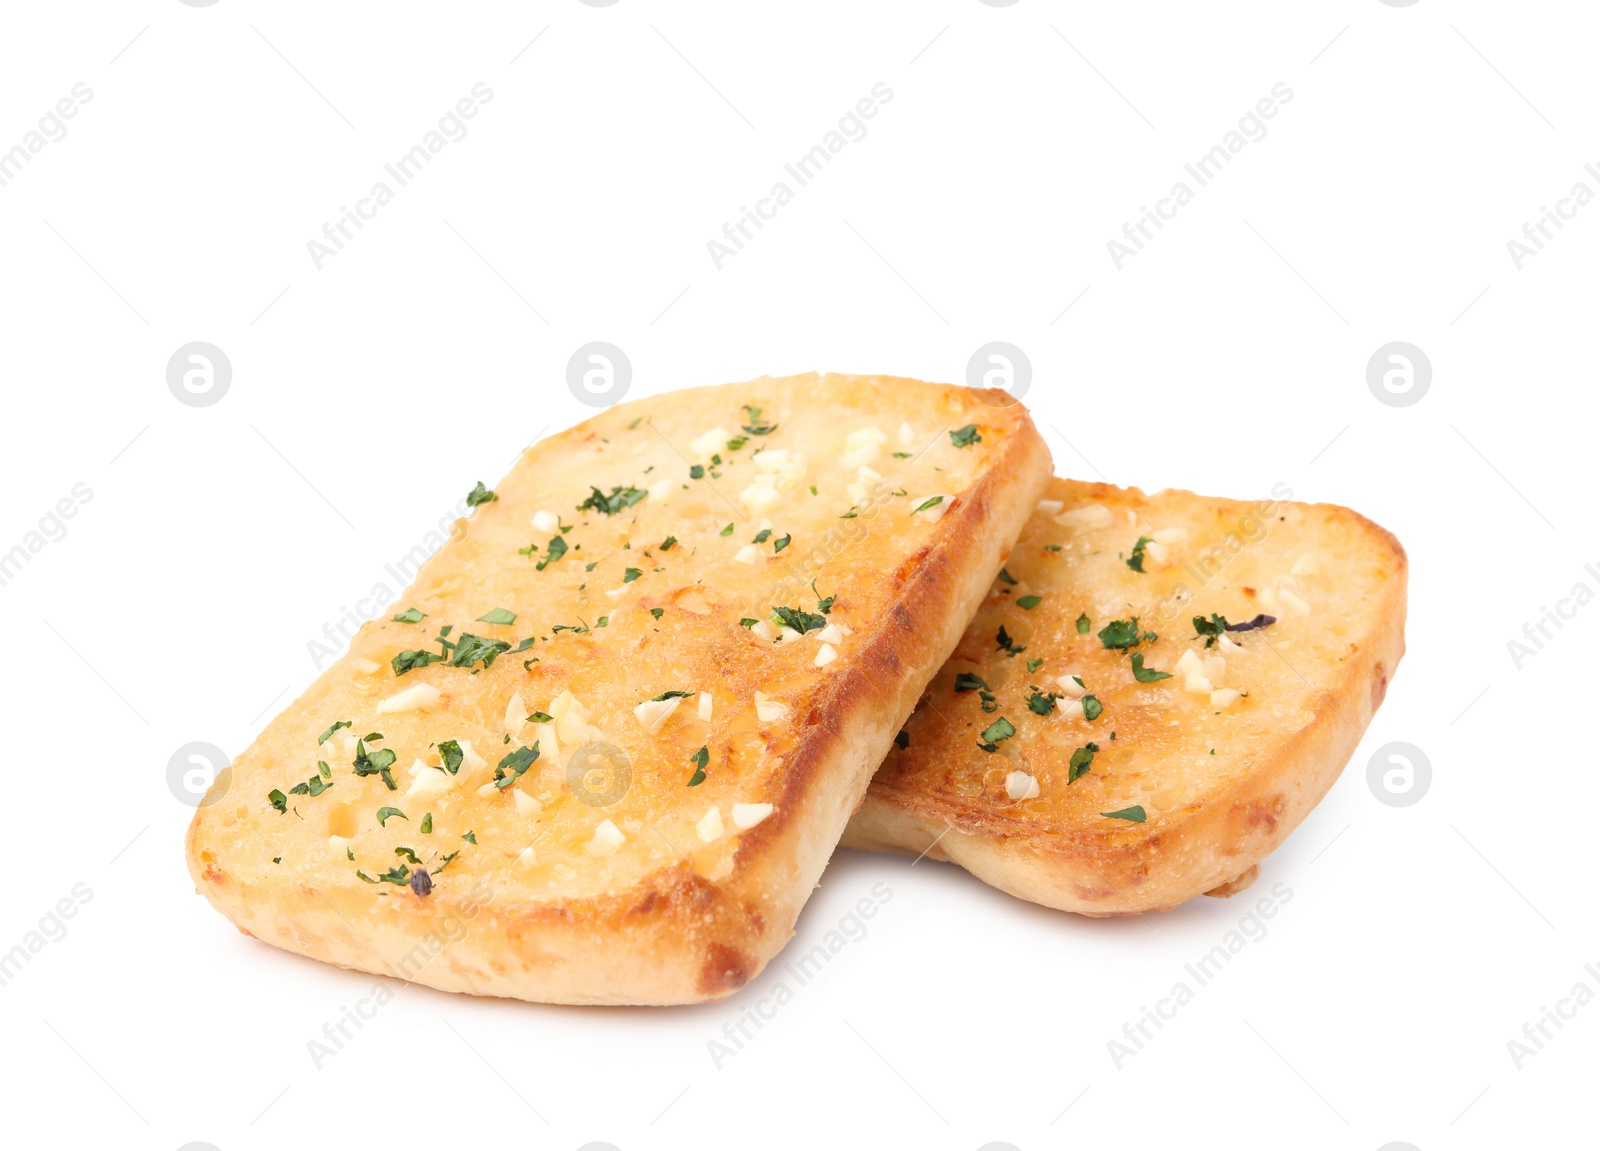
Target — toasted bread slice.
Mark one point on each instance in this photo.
(625, 793)
(1220, 761)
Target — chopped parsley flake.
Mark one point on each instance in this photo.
(966, 681)
(374, 763)
(1033, 665)
(630, 574)
(450, 752)
(697, 472)
(965, 437)
(756, 427)
(1136, 560)
(410, 615)
(801, 621)
(469, 649)
(699, 759)
(387, 813)
(1005, 643)
(1029, 602)
(323, 738)
(727, 531)
(1123, 634)
(1083, 624)
(762, 536)
(1040, 703)
(1134, 814)
(930, 502)
(480, 495)
(313, 787)
(427, 824)
(510, 769)
(1078, 765)
(780, 543)
(1146, 674)
(554, 551)
(278, 800)
(1092, 707)
(619, 499)
(1000, 729)
(666, 544)
(498, 616)
(1006, 577)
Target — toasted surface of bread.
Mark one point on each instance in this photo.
(1221, 778)
(693, 772)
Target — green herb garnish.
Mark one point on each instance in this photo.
(619, 499)
(1146, 674)
(1134, 814)
(1000, 729)
(1078, 765)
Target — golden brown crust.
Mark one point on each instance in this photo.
(1315, 679)
(668, 918)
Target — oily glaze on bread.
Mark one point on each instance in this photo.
(649, 854)
(1220, 779)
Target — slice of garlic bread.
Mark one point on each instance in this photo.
(1155, 693)
(602, 748)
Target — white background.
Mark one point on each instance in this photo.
(367, 397)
